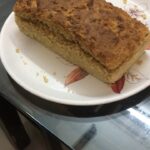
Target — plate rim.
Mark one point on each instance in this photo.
(95, 101)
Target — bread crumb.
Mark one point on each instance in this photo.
(17, 50)
(125, 1)
(45, 79)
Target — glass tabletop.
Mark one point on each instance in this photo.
(123, 125)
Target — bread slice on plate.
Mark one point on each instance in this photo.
(93, 34)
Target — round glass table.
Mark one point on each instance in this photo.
(123, 125)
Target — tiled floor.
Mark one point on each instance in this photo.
(38, 142)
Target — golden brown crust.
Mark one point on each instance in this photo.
(108, 33)
(73, 53)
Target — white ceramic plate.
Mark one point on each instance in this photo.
(42, 72)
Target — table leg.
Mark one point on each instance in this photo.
(12, 125)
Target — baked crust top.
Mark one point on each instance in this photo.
(108, 33)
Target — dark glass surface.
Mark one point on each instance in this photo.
(123, 125)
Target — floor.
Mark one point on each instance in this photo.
(38, 142)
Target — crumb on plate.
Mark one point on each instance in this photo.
(125, 1)
(45, 79)
(17, 50)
